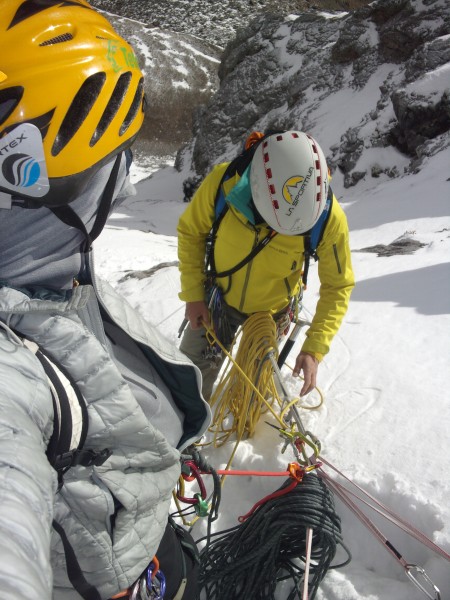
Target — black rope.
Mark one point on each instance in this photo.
(248, 561)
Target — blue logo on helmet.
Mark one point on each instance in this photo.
(21, 170)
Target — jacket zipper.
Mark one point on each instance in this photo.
(288, 287)
(336, 256)
(247, 273)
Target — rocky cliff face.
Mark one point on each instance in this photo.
(180, 73)
(213, 22)
(179, 45)
(382, 72)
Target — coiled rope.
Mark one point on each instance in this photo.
(236, 403)
(247, 389)
(251, 559)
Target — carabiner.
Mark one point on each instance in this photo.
(152, 584)
(201, 507)
(135, 591)
(194, 473)
(437, 593)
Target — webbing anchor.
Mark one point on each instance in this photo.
(435, 594)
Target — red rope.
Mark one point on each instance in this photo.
(276, 494)
(253, 473)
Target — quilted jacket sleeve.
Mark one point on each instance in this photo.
(27, 481)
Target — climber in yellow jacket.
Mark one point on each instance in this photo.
(275, 201)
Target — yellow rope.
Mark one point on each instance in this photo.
(297, 400)
(247, 389)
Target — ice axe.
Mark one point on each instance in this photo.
(299, 324)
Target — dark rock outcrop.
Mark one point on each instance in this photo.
(180, 74)
(383, 72)
(214, 22)
(402, 245)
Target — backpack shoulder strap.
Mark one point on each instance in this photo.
(67, 215)
(65, 448)
(236, 167)
(74, 572)
(313, 238)
(70, 423)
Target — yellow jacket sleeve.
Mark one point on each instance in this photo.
(193, 228)
(336, 283)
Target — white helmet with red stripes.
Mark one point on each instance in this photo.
(289, 181)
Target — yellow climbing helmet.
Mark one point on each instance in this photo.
(69, 78)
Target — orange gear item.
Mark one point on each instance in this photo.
(254, 137)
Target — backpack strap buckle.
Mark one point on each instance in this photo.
(84, 457)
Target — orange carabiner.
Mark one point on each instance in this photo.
(296, 471)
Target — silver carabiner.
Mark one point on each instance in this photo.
(420, 571)
(135, 591)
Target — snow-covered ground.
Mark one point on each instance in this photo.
(385, 421)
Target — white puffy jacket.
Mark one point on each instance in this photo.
(114, 515)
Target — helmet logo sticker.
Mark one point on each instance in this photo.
(294, 187)
(21, 170)
(121, 57)
(22, 162)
